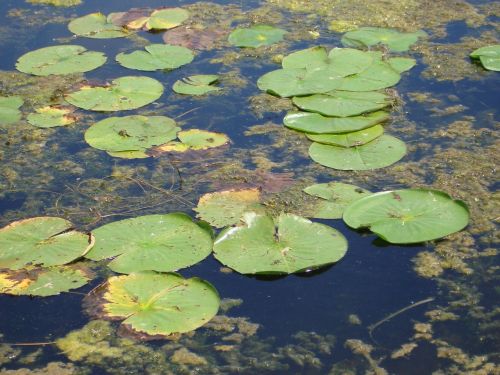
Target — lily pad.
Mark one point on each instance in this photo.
(370, 36)
(43, 282)
(342, 103)
(256, 36)
(195, 38)
(50, 117)
(334, 197)
(408, 216)
(9, 109)
(194, 140)
(379, 75)
(349, 61)
(315, 123)
(123, 93)
(225, 208)
(351, 139)
(382, 152)
(41, 241)
(402, 64)
(60, 60)
(289, 244)
(310, 57)
(97, 26)
(489, 56)
(128, 154)
(196, 85)
(156, 57)
(168, 18)
(131, 133)
(160, 243)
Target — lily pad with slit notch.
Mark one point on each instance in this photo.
(256, 36)
(9, 109)
(369, 36)
(194, 140)
(379, 75)
(156, 57)
(196, 85)
(96, 26)
(351, 139)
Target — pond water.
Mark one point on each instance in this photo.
(401, 309)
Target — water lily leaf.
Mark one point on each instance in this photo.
(59, 60)
(225, 208)
(160, 243)
(310, 57)
(408, 216)
(41, 241)
(348, 61)
(9, 109)
(402, 64)
(155, 305)
(168, 18)
(382, 152)
(370, 36)
(378, 75)
(50, 117)
(131, 133)
(489, 56)
(351, 139)
(334, 197)
(156, 56)
(315, 123)
(194, 38)
(256, 36)
(194, 140)
(287, 245)
(57, 3)
(123, 93)
(342, 103)
(196, 85)
(97, 26)
(43, 282)
(135, 154)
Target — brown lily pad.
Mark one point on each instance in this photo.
(193, 38)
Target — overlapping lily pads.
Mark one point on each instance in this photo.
(489, 56)
(351, 139)
(194, 140)
(156, 57)
(408, 216)
(370, 36)
(97, 26)
(288, 244)
(256, 36)
(379, 75)
(51, 116)
(158, 19)
(9, 109)
(199, 84)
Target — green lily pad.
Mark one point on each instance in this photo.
(50, 117)
(351, 139)
(342, 103)
(160, 243)
(333, 198)
(225, 208)
(287, 245)
(489, 56)
(196, 85)
(156, 305)
(9, 109)
(43, 282)
(310, 57)
(41, 241)
(349, 61)
(194, 140)
(402, 64)
(131, 133)
(156, 57)
(315, 123)
(382, 152)
(379, 75)
(370, 36)
(97, 26)
(59, 60)
(408, 216)
(256, 36)
(163, 19)
(135, 154)
(123, 93)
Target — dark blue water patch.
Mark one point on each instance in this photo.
(12, 201)
(455, 30)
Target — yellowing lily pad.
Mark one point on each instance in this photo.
(168, 18)
(9, 109)
(97, 26)
(194, 140)
(156, 57)
(196, 85)
(50, 117)
(256, 36)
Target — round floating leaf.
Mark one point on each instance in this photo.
(96, 25)
(370, 36)
(378, 75)
(401, 64)
(195, 38)
(9, 109)
(348, 61)
(196, 85)
(225, 208)
(334, 197)
(41, 241)
(43, 282)
(317, 124)
(123, 93)
(65, 59)
(195, 140)
(162, 19)
(356, 138)
(381, 152)
(291, 244)
(151, 243)
(310, 57)
(408, 216)
(157, 305)
(131, 133)
(256, 36)
(489, 56)
(156, 56)
(50, 117)
(342, 103)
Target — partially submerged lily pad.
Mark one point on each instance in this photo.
(351, 139)
(58, 60)
(195, 38)
(41, 241)
(489, 56)
(289, 244)
(408, 216)
(50, 117)
(155, 305)
(370, 36)
(196, 85)
(97, 26)
(9, 109)
(256, 36)
(156, 57)
(194, 140)
(160, 243)
(123, 93)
